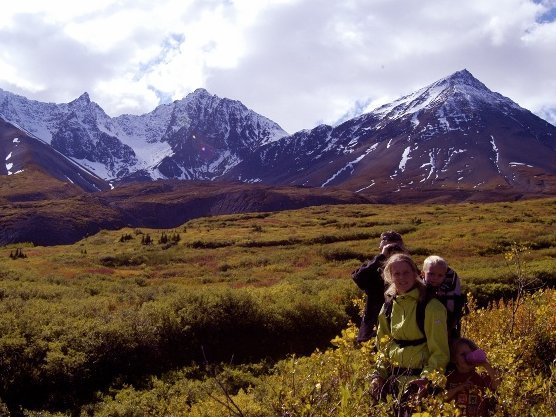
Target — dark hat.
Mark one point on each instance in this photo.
(391, 236)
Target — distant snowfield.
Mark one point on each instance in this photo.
(150, 154)
(96, 167)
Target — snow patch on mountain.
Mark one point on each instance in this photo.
(520, 163)
(367, 187)
(405, 158)
(350, 165)
(96, 168)
(431, 164)
(452, 153)
(496, 154)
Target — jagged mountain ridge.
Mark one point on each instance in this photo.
(198, 137)
(453, 134)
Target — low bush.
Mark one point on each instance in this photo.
(58, 362)
(202, 244)
(336, 381)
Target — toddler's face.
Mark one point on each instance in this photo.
(435, 274)
(459, 358)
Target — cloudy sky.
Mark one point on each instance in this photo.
(297, 62)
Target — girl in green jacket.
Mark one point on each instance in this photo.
(409, 354)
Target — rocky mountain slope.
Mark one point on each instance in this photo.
(199, 137)
(23, 152)
(453, 135)
(66, 166)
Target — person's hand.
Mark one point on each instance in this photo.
(420, 386)
(387, 249)
(452, 392)
(377, 383)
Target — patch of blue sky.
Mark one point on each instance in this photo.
(164, 98)
(169, 45)
(549, 15)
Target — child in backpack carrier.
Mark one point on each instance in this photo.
(410, 355)
(443, 283)
(465, 385)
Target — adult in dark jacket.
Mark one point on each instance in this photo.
(368, 277)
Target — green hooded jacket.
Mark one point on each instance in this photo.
(431, 355)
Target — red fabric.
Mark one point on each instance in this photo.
(471, 401)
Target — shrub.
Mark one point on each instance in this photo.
(146, 240)
(336, 381)
(18, 254)
(125, 237)
(201, 244)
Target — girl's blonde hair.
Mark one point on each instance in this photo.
(387, 274)
(434, 260)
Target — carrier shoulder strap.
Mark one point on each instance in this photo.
(420, 317)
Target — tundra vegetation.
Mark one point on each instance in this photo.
(253, 314)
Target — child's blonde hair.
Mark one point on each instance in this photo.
(387, 274)
(434, 260)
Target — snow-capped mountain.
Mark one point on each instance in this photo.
(80, 130)
(208, 136)
(23, 152)
(199, 137)
(454, 134)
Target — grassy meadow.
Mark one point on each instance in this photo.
(138, 316)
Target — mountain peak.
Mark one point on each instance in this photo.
(462, 78)
(199, 95)
(83, 98)
(460, 86)
(200, 92)
(463, 74)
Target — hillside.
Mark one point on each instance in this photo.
(39, 209)
(24, 152)
(109, 310)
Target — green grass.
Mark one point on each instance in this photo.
(76, 319)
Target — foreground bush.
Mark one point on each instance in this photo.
(55, 355)
(335, 382)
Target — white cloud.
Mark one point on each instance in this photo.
(298, 62)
